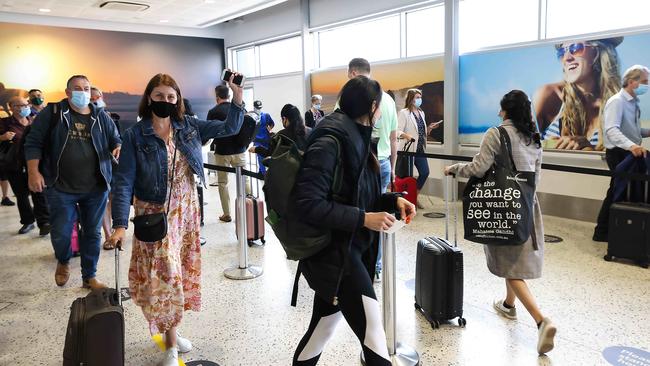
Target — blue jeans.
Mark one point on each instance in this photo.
(422, 166)
(261, 167)
(62, 214)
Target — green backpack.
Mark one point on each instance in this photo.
(298, 238)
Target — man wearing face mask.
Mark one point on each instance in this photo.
(314, 114)
(623, 134)
(12, 129)
(74, 140)
(263, 135)
(37, 100)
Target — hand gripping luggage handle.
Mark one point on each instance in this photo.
(450, 180)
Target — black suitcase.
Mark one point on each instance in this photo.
(439, 275)
(95, 333)
(629, 232)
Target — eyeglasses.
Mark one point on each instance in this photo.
(20, 105)
(576, 49)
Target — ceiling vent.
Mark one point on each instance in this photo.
(123, 6)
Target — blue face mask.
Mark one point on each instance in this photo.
(317, 107)
(418, 102)
(80, 99)
(25, 111)
(641, 89)
(100, 103)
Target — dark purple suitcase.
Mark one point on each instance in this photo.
(439, 277)
(629, 232)
(95, 332)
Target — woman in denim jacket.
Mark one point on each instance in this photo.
(162, 150)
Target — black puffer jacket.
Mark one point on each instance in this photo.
(360, 193)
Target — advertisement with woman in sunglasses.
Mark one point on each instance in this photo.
(569, 112)
(569, 84)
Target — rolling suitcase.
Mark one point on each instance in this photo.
(408, 185)
(629, 231)
(95, 332)
(439, 274)
(254, 213)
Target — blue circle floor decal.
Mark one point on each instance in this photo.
(626, 356)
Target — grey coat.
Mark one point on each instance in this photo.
(521, 261)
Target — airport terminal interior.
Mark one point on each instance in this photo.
(449, 66)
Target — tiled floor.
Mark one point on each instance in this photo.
(594, 303)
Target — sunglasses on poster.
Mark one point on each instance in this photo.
(575, 49)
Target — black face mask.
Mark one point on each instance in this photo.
(162, 109)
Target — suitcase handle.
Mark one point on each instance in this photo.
(118, 248)
(450, 180)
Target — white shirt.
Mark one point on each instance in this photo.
(621, 125)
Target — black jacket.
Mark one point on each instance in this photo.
(360, 192)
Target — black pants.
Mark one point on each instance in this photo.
(357, 300)
(40, 213)
(613, 157)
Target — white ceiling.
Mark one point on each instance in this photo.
(181, 13)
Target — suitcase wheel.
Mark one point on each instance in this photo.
(263, 241)
(608, 258)
(435, 324)
(644, 264)
(417, 307)
(462, 322)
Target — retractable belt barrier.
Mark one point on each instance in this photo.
(244, 270)
(556, 167)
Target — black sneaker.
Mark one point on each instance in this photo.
(44, 229)
(7, 202)
(26, 228)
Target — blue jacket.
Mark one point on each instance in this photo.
(263, 136)
(103, 132)
(631, 164)
(143, 161)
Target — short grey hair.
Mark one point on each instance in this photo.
(634, 73)
(316, 97)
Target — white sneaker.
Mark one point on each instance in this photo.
(504, 311)
(547, 332)
(184, 345)
(170, 358)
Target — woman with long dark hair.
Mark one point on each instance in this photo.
(515, 263)
(341, 274)
(294, 129)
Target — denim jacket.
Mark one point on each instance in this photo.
(143, 161)
(103, 132)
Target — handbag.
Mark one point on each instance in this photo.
(404, 163)
(10, 159)
(153, 227)
(498, 208)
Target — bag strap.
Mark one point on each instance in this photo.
(294, 292)
(337, 181)
(171, 184)
(506, 146)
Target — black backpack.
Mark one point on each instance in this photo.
(238, 143)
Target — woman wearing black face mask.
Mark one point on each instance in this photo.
(160, 156)
(341, 273)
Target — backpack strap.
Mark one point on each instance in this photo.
(337, 181)
(294, 292)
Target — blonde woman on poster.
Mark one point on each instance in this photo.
(569, 113)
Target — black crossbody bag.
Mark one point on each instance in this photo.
(153, 227)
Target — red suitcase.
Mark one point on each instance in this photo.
(254, 214)
(408, 185)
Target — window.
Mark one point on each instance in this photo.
(281, 57)
(249, 98)
(497, 22)
(425, 31)
(572, 17)
(245, 61)
(375, 40)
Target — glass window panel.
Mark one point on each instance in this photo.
(485, 23)
(573, 17)
(245, 60)
(281, 57)
(425, 31)
(374, 40)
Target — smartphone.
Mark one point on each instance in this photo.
(238, 80)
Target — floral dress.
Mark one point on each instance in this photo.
(165, 276)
